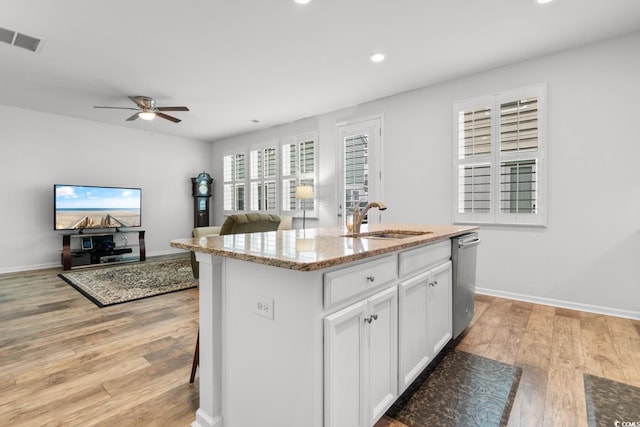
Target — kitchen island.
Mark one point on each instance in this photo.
(316, 328)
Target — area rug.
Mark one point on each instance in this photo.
(610, 403)
(117, 284)
(460, 389)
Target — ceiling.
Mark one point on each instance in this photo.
(235, 61)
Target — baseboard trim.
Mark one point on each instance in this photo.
(616, 312)
(22, 268)
(205, 420)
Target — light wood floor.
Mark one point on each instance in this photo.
(554, 347)
(64, 361)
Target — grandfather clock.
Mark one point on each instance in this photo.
(201, 187)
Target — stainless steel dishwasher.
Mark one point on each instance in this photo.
(464, 250)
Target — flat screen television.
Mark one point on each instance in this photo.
(80, 207)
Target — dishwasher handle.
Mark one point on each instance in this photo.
(462, 244)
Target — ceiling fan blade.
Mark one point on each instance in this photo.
(168, 117)
(116, 108)
(172, 109)
(132, 118)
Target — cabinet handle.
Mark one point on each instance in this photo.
(371, 278)
(432, 284)
(374, 316)
(435, 282)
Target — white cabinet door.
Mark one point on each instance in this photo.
(361, 365)
(414, 349)
(440, 307)
(383, 352)
(425, 322)
(344, 363)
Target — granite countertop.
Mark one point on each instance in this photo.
(318, 248)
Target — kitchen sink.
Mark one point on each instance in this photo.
(388, 234)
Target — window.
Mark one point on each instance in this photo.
(499, 144)
(263, 178)
(359, 166)
(356, 170)
(234, 182)
(271, 172)
(298, 168)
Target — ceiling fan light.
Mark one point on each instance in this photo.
(377, 57)
(147, 115)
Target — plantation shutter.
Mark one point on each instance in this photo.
(234, 175)
(289, 179)
(356, 170)
(263, 176)
(499, 158)
(298, 164)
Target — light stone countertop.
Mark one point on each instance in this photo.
(317, 248)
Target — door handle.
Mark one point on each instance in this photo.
(465, 245)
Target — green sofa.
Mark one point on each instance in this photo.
(236, 224)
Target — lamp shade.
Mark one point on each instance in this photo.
(147, 115)
(304, 192)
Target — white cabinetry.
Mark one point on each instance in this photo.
(425, 308)
(414, 348)
(361, 366)
(439, 308)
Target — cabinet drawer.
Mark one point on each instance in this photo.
(416, 260)
(347, 283)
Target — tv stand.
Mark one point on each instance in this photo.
(82, 257)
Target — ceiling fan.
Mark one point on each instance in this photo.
(147, 109)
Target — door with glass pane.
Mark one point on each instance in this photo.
(359, 168)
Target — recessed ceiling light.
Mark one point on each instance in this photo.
(303, 1)
(377, 57)
(543, 1)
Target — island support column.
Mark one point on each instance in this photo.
(210, 366)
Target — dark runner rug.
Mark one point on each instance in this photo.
(610, 403)
(459, 389)
(117, 284)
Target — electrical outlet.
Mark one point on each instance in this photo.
(264, 307)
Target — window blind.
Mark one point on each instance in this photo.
(356, 169)
(499, 158)
(475, 189)
(475, 132)
(263, 179)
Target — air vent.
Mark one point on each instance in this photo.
(19, 40)
(7, 35)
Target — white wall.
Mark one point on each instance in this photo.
(588, 256)
(38, 150)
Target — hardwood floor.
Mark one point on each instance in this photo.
(64, 361)
(554, 347)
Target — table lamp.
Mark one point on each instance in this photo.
(304, 192)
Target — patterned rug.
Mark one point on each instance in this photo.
(117, 284)
(610, 403)
(459, 389)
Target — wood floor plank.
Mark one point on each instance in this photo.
(565, 401)
(506, 343)
(529, 404)
(600, 354)
(535, 347)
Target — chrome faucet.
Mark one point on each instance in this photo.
(358, 216)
